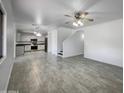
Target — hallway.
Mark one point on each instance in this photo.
(44, 73)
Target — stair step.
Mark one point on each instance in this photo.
(60, 53)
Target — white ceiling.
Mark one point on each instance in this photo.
(50, 13)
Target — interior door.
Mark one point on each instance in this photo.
(1, 34)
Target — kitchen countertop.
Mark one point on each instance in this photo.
(22, 44)
(29, 44)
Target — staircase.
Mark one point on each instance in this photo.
(65, 42)
(60, 53)
(70, 34)
(74, 44)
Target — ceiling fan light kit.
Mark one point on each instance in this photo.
(78, 23)
(75, 24)
(37, 34)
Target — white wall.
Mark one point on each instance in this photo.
(63, 33)
(18, 36)
(6, 66)
(104, 42)
(49, 42)
(74, 45)
(52, 42)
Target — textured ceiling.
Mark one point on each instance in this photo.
(50, 13)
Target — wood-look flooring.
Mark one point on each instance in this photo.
(44, 73)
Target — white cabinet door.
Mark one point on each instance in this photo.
(19, 50)
(27, 48)
(41, 47)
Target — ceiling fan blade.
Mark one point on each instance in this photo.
(34, 24)
(86, 13)
(67, 22)
(90, 19)
(68, 15)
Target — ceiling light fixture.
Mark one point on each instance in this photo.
(35, 33)
(38, 34)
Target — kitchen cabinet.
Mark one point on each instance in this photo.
(27, 48)
(41, 47)
(19, 50)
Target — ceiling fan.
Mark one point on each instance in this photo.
(79, 18)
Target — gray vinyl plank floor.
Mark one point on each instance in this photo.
(44, 73)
